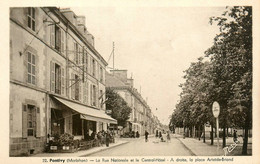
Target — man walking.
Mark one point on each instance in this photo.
(146, 136)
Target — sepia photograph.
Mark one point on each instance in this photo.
(105, 83)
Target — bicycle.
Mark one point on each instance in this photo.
(231, 147)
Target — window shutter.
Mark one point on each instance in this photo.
(75, 52)
(80, 55)
(52, 35)
(38, 122)
(97, 71)
(97, 102)
(73, 86)
(86, 61)
(80, 90)
(91, 95)
(24, 121)
(58, 39)
(87, 90)
(84, 92)
(62, 41)
(62, 81)
(52, 84)
(90, 66)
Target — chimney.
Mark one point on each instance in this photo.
(70, 15)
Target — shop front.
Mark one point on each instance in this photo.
(80, 121)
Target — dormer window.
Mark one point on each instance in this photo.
(31, 18)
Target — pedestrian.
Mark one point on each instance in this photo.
(137, 134)
(160, 134)
(99, 137)
(156, 134)
(235, 136)
(146, 136)
(107, 138)
(168, 137)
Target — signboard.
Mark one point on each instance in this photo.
(215, 109)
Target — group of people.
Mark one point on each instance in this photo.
(99, 137)
(159, 135)
(162, 136)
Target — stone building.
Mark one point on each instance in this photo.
(141, 116)
(57, 79)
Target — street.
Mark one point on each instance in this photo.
(138, 147)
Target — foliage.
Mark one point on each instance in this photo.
(120, 110)
(225, 75)
(66, 139)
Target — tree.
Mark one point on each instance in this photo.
(231, 56)
(120, 110)
(226, 77)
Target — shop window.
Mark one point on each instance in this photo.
(57, 122)
(31, 18)
(77, 125)
(31, 68)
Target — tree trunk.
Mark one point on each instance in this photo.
(211, 135)
(227, 132)
(199, 133)
(247, 126)
(224, 137)
(194, 130)
(204, 134)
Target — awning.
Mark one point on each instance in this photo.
(88, 113)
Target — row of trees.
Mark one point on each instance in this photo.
(224, 75)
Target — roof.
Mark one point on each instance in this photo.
(112, 81)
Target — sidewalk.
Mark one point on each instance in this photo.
(199, 148)
(82, 153)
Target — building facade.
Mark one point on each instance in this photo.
(141, 117)
(57, 79)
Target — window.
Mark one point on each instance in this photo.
(31, 68)
(86, 61)
(76, 57)
(101, 74)
(101, 97)
(57, 79)
(31, 120)
(93, 67)
(94, 94)
(31, 18)
(62, 41)
(57, 38)
(77, 87)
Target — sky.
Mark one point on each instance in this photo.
(155, 45)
